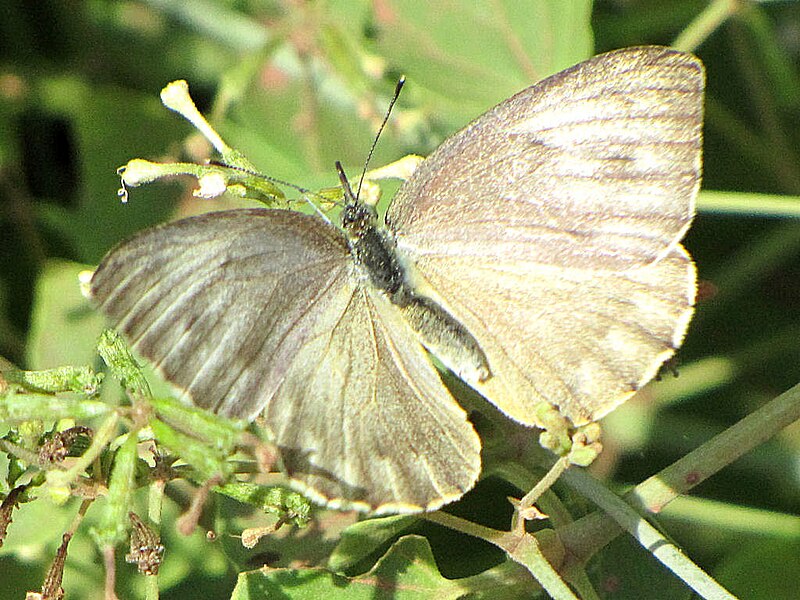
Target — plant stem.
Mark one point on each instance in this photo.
(586, 536)
(694, 34)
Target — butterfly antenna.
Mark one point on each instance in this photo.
(397, 88)
(305, 192)
(269, 178)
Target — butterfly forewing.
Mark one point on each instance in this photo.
(550, 229)
(207, 298)
(595, 167)
(261, 310)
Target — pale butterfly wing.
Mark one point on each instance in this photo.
(581, 341)
(550, 228)
(261, 310)
(388, 428)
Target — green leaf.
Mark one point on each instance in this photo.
(365, 537)
(470, 55)
(408, 571)
(64, 326)
(23, 407)
(82, 380)
(220, 433)
(206, 461)
(625, 572)
(763, 570)
(114, 351)
(114, 523)
(289, 505)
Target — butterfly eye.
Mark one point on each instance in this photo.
(357, 217)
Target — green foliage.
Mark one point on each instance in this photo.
(294, 87)
(407, 570)
(111, 467)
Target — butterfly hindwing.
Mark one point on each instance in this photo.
(368, 417)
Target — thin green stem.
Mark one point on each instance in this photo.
(155, 502)
(648, 536)
(586, 536)
(544, 484)
(102, 437)
(749, 204)
(722, 450)
(493, 536)
(706, 23)
(13, 449)
(523, 549)
(151, 587)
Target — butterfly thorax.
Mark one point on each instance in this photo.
(372, 249)
(376, 257)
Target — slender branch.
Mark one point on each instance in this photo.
(523, 549)
(648, 536)
(586, 536)
(706, 23)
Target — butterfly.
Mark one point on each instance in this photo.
(536, 253)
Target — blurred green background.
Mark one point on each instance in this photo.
(296, 85)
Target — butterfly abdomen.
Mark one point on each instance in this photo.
(446, 338)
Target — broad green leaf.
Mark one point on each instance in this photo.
(625, 571)
(471, 55)
(64, 326)
(365, 537)
(763, 570)
(407, 572)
